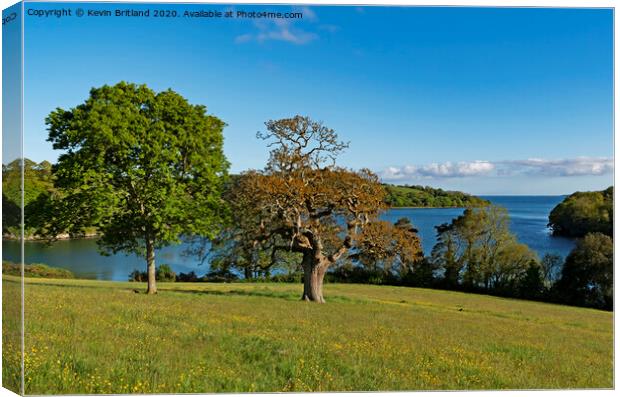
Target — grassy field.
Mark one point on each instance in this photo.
(101, 337)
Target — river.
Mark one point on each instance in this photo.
(528, 215)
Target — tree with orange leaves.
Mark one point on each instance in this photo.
(303, 203)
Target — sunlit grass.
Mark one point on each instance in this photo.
(101, 337)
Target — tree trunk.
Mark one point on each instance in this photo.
(150, 267)
(314, 267)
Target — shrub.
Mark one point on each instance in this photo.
(37, 270)
(162, 273)
(137, 276)
(190, 277)
(587, 276)
(220, 276)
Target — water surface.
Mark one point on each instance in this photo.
(529, 217)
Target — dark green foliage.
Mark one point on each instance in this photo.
(190, 277)
(230, 252)
(287, 278)
(11, 215)
(164, 273)
(37, 180)
(220, 276)
(37, 270)
(38, 185)
(531, 285)
(137, 276)
(425, 196)
(351, 273)
(421, 275)
(584, 212)
(551, 268)
(444, 255)
(587, 276)
(145, 168)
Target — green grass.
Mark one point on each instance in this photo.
(101, 337)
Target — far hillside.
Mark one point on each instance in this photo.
(37, 183)
(584, 212)
(426, 196)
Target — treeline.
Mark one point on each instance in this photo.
(164, 177)
(38, 187)
(426, 196)
(475, 252)
(584, 212)
(37, 183)
(165, 273)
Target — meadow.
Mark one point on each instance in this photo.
(86, 336)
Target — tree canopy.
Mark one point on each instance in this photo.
(584, 212)
(304, 204)
(144, 167)
(478, 251)
(389, 248)
(38, 183)
(587, 277)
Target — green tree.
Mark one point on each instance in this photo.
(426, 196)
(551, 267)
(165, 273)
(531, 285)
(587, 276)
(445, 254)
(38, 186)
(145, 168)
(584, 212)
(477, 250)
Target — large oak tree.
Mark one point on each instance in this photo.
(145, 168)
(303, 203)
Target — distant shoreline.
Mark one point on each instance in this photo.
(429, 208)
(61, 237)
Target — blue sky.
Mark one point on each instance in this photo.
(489, 101)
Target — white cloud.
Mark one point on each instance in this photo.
(566, 167)
(439, 170)
(281, 30)
(580, 166)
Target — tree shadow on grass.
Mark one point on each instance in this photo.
(291, 296)
(263, 293)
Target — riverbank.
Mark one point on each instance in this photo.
(529, 218)
(64, 236)
(431, 208)
(241, 337)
